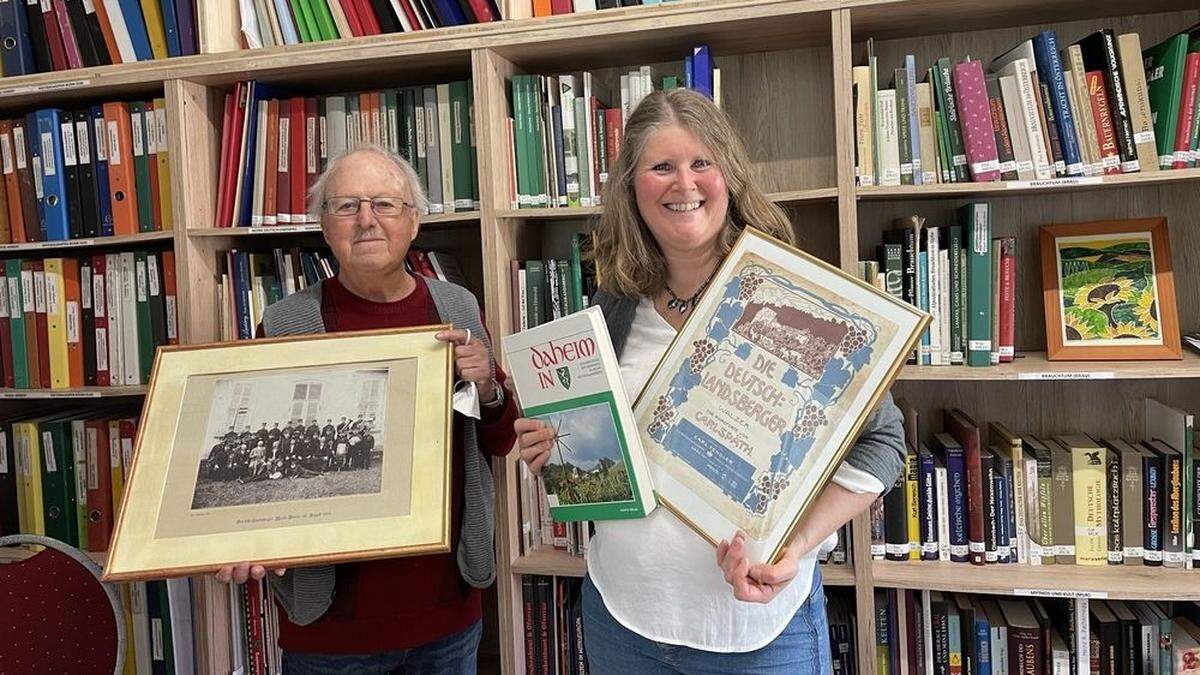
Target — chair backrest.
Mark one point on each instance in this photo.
(55, 614)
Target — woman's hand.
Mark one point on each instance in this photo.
(471, 361)
(754, 583)
(240, 572)
(534, 438)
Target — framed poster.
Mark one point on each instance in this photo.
(1108, 291)
(765, 388)
(289, 451)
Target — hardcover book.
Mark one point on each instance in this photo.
(566, 374)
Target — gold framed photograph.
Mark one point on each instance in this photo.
(1108, 291)
(287, 452)
(765, 388)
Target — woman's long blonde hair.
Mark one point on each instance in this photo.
(628, 260)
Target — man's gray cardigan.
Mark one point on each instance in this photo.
(879, 449)
(307, 592)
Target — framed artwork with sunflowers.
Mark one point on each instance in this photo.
(1108, 291)
(765, 389)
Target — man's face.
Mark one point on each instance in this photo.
(366, 243)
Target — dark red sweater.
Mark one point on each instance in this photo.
(399, 603)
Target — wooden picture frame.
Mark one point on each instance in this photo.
(765, 389)
(215, 481)
(1095, 311)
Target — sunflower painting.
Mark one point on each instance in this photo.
(1109, 291)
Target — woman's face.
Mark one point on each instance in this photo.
(365, 242)
(680, 192)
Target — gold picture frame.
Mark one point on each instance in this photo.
(197, 497)
(765, 388)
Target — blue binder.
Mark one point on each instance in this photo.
(16, 51)
(136, 25)
(54, 175)
(100, 158)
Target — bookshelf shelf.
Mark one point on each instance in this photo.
(91, 242)
(74, 392)
(1015, 188)
(793, 197)
(1034, 366)
(1127, 582)
(9, 554)
(434, 219)
(554, 562)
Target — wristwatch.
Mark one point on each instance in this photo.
(499, 398)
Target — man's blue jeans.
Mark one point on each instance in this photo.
(452, 655)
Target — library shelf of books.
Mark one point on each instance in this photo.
(489, 112)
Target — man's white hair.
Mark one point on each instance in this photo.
(317, 196)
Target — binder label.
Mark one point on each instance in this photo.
(152, 273)
(37, 177)
(4, 300)
(101, 349)
(140, 271)
(14, 292)
(19, 146)
(26, 459)
(39, 291)
(98, 294)
(114, 144)
(171, 334)
(135, 121)
(6, 152)
(88, 7)
(160, 115)
(282, 167)
(48, 452)
(52, 293)
(48, 155)
(28, 306)
(85, 286)
(101, 145)
(156, 631)
(93, 459)
(3, 455)
(72, 322)
(310, 139)
(324, 147)
(68, 143)
(85, 150)
(127, 451)
(114, 456)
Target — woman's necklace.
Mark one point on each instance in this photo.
(685, 304)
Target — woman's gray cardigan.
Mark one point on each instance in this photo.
(879, 449)
(307, 592)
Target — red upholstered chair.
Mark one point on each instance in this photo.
(56, 616)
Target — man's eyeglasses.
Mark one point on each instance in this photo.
(344, 207)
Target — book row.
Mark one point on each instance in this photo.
(563, 134)
(548, 289)
(934, 632)
(97, 171)
(969, 291)
(62, 475)
(250, 282)
(1062, 499)
(269, 23)
(1101, 105)
(274, 147)
(556, 7)
(90, 321)
(40, 37)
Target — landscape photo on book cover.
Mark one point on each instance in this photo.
(1107, 289)
(587, 462)
(747, 416)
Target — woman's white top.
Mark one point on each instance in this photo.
(660, 579)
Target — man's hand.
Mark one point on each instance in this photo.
(471, 361)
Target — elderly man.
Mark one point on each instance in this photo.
(417, 614)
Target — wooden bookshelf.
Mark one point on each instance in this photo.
(801, 140)
(90, 242)
(1125, 582)
(74, 393)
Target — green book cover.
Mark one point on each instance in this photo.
(955, 244)
(58, 482)
(578, 302)
(79, 453)
(460, 144)
(157, 302)
(1164, 79)
(141, 166)
(534, 283)
(16, 322)
(304, 21)
(473, 147)
(537, 140)
(958, 159)
(520, 125)
(414, 133)
(903, 130)
(1194, 144)
(670, 82)
(145, 334)
(323, 20)
(976, 221)
(566, 374)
